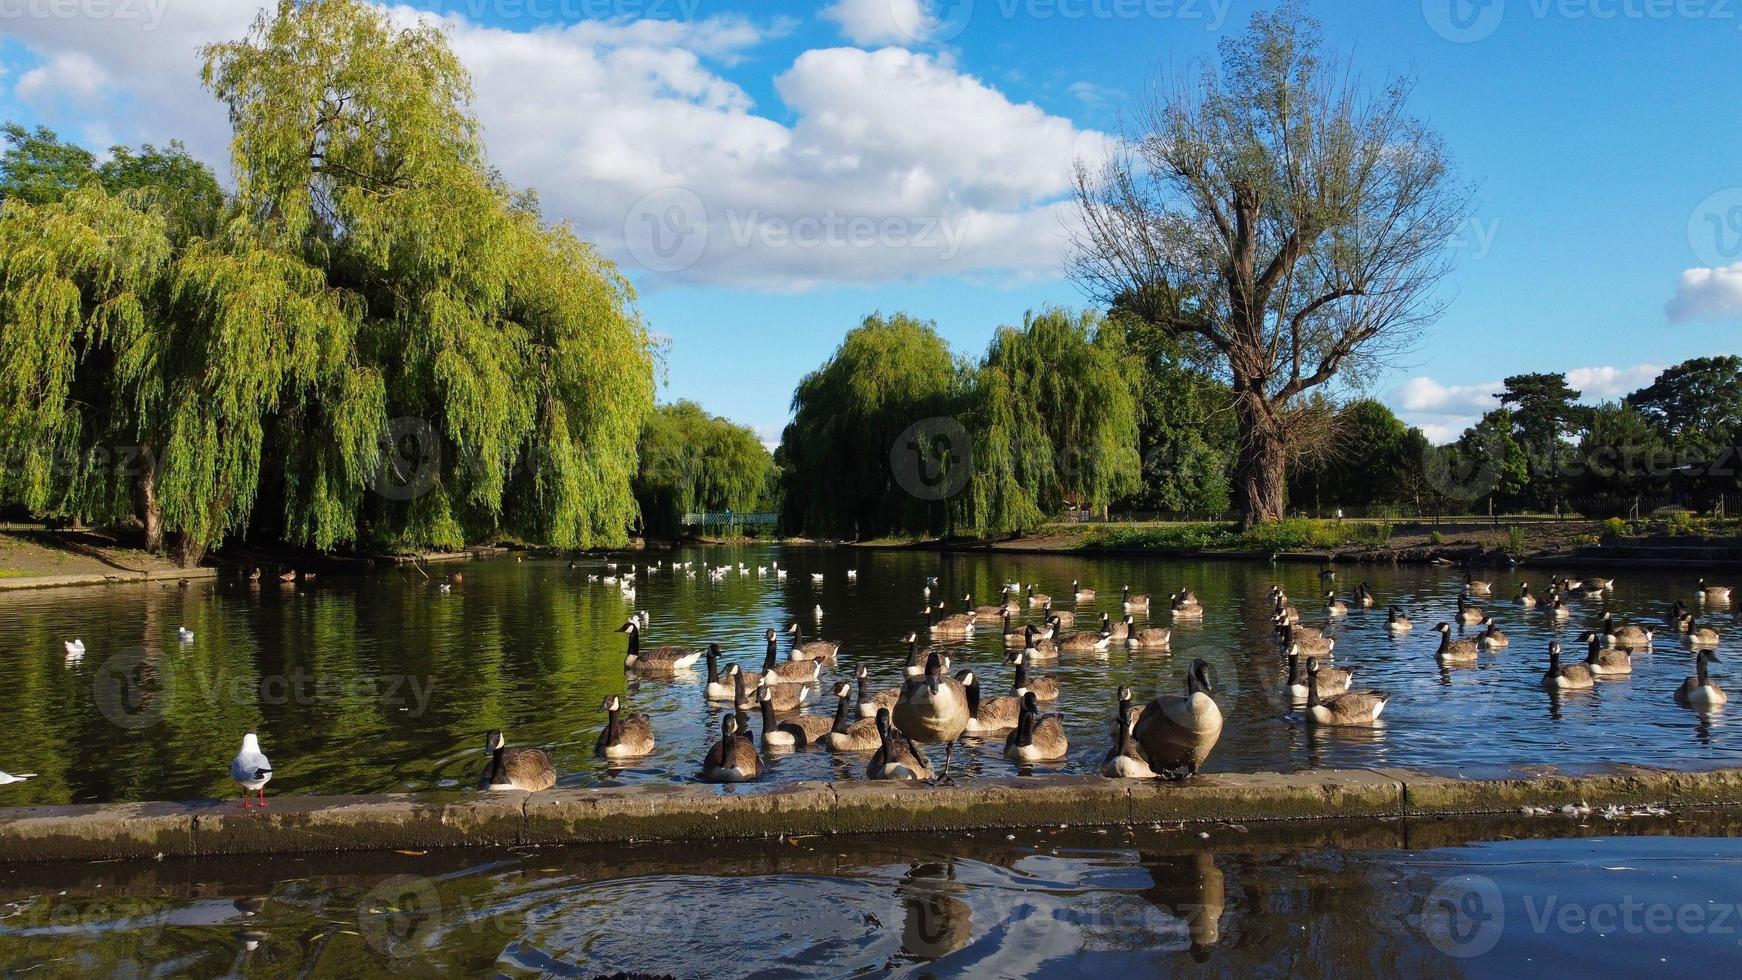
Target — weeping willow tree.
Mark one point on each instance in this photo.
(693, 461)
(888, 376)
(1057, 419)
(512, 347)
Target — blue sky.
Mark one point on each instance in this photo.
(769, 173)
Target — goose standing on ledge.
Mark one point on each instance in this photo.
(1698, 691)
(250, 770)
(733, 759)
(655, 661)
(624, 738)
(933, 708)
(1177, 732)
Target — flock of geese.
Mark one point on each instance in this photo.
(1169, 737)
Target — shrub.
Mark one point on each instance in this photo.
(1436, 538)
(1515, 542)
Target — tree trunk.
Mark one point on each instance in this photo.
(1262, 467)
(146, 504)
(188, 552)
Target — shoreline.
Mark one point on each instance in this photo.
(613, 815)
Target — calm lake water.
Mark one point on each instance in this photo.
(1145, 901)
(384, 682)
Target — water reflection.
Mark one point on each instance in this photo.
(385, 683)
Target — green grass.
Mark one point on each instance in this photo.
(1289, 535)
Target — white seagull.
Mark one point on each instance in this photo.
(21, 777)
(251, 771)
(184, 634)
(75, 649)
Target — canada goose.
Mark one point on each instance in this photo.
(6, 779)
(1348, 708)
(1363, 596)
(1012, 639)
(1626, 637)
(793, 734)
(1194, 613)
(1678, 618)
(523, 769)
(1285, 613)
(1177, 732)
(1037, 600)
(1127, 708)
(1491, 638)
(786, 697)
(1332, 680)
(1713, 593)
(1469, 615)
(1525, 599)
(1570, 677)
(1474, 587)
(1045, 688)
(847, 735)
(1125, 760)
(1701, 637)
(868, 702)
(813, 650)
(1606, 661)
(733, 759)
(624, 737)
(1310, 642)
(250, 770)
(1080, 594)
(720, 685)
(1115, 631)
(1062, 618)
(1083, 642)
(897, 756)
(184, 635)
(1186, 599)
(1397, 622)
(1698, 691)
(988, 714)
(991, 614)
(1035, 647)
(960, 625)
(1038, 737)
(795, 671)
(1335, 606)
(1153, 638)
(1134, 603)
(1557, 607)
(1455, 651)
(1600, 584)
(933, 708)
(657, 661)
(75, 649)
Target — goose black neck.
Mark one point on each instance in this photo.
(1312, 689)
(1025, 726)
(973, 692)
(841, 709)
(1700, 668)
(498, 765)
(768, 715)
(768, 659)
(1293, 669)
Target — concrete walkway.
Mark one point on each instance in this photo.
(300, 824)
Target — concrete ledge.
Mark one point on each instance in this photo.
(674, 812)
(117, 577)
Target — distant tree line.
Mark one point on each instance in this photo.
(693, 462)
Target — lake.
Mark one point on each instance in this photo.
(384, 682)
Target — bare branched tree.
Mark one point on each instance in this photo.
(1286, 222)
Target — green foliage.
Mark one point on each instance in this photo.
(693, 461)
(1613, 529)
(1515, 540)
(888, 374)
(371, 268)
(1291, 534)
(1436, 538)
(1366, 462)
(1187, 436)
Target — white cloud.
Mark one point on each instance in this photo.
(879, 165)
(1444, 431)
(880, 21)
(1600, 384)
(1707, 294)
(70, 77)
(1428, 395)
(1091, 94)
